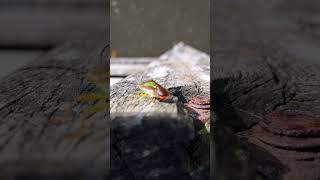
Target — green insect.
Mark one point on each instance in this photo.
(153, 89)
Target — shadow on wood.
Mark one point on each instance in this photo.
(157, 139)
(153, 147)
(265, 59)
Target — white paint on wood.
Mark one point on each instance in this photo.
(159, 72)
(132, 60)
(114, 80)
(125, 66)
(123, 70)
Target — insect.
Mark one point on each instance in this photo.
(153, 89)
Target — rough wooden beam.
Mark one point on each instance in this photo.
(114, 80)
(265, 58)
(122, 66)
(132, 60)
(148, 135)
(48, 128)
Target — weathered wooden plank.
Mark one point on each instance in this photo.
(132, 60)
(123, 67)
(114, 80)
(13, 59)
(265, 58)
(50, 126)
(148, 135)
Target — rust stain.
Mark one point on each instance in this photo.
(199, 109)
(288, 139)
(201, 100)
(292, 123)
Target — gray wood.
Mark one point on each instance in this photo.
(132, 60)
(45, 131)
(11, 60)
(265, 58)
(122, 67)
(147, 135)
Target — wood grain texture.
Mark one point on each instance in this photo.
(45, 131)
(265, 58)
(148, 136)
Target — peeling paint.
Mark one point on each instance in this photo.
(205, 77)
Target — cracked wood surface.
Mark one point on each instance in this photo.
(265, 58)
(148, 137)
(45, 131)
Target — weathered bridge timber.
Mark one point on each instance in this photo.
(53, 116)
(152, 139)
(266, 89)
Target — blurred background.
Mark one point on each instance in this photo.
(29, 28)
(147, 28)
(141, 30)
